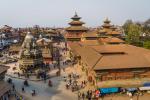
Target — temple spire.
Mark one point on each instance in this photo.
(107, 20)
(76, 15)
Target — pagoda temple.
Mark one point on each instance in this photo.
(109, 30)
(30, 55)
(76, 29)
(107, 26)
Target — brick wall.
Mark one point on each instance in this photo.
(123, 74)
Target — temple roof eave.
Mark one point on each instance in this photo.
(81, 28)
(106, 25)
(76, 23)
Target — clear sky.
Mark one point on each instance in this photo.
(22, 13)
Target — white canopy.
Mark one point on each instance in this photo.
(144, 88)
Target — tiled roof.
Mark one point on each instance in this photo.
(4, 87)
(76, 28)
(121, 61)
(106, 25)
(89, 42)
(132, 57)
(3, 68)
(111, 40)
(76, 23)
(88, 55)
(90, 34)
(118, 56)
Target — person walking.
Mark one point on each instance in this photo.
(83, 96)
(9, 80)
(26, 83)
(18, 74)
(90, 95)
(13, 87)
(23, 90)
(66, 86)
(79, 95)
(33, 93)
(50, 83)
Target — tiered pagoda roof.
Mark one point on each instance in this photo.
(76, 28)
(113, 27)
(107, 23)
(114, 31)
(111, 40)
(76, 24)
(109, 29)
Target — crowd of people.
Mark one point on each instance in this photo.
(89, 95)
(73, 84)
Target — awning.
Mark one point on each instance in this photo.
(144, 88)
(109, 90)
(131, 89)
(146, 84)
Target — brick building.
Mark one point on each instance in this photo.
(112, 62)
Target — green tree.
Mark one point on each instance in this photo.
(133, 34)
(132, 31)
(146, 27)
(126, 25)
(147, 44)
